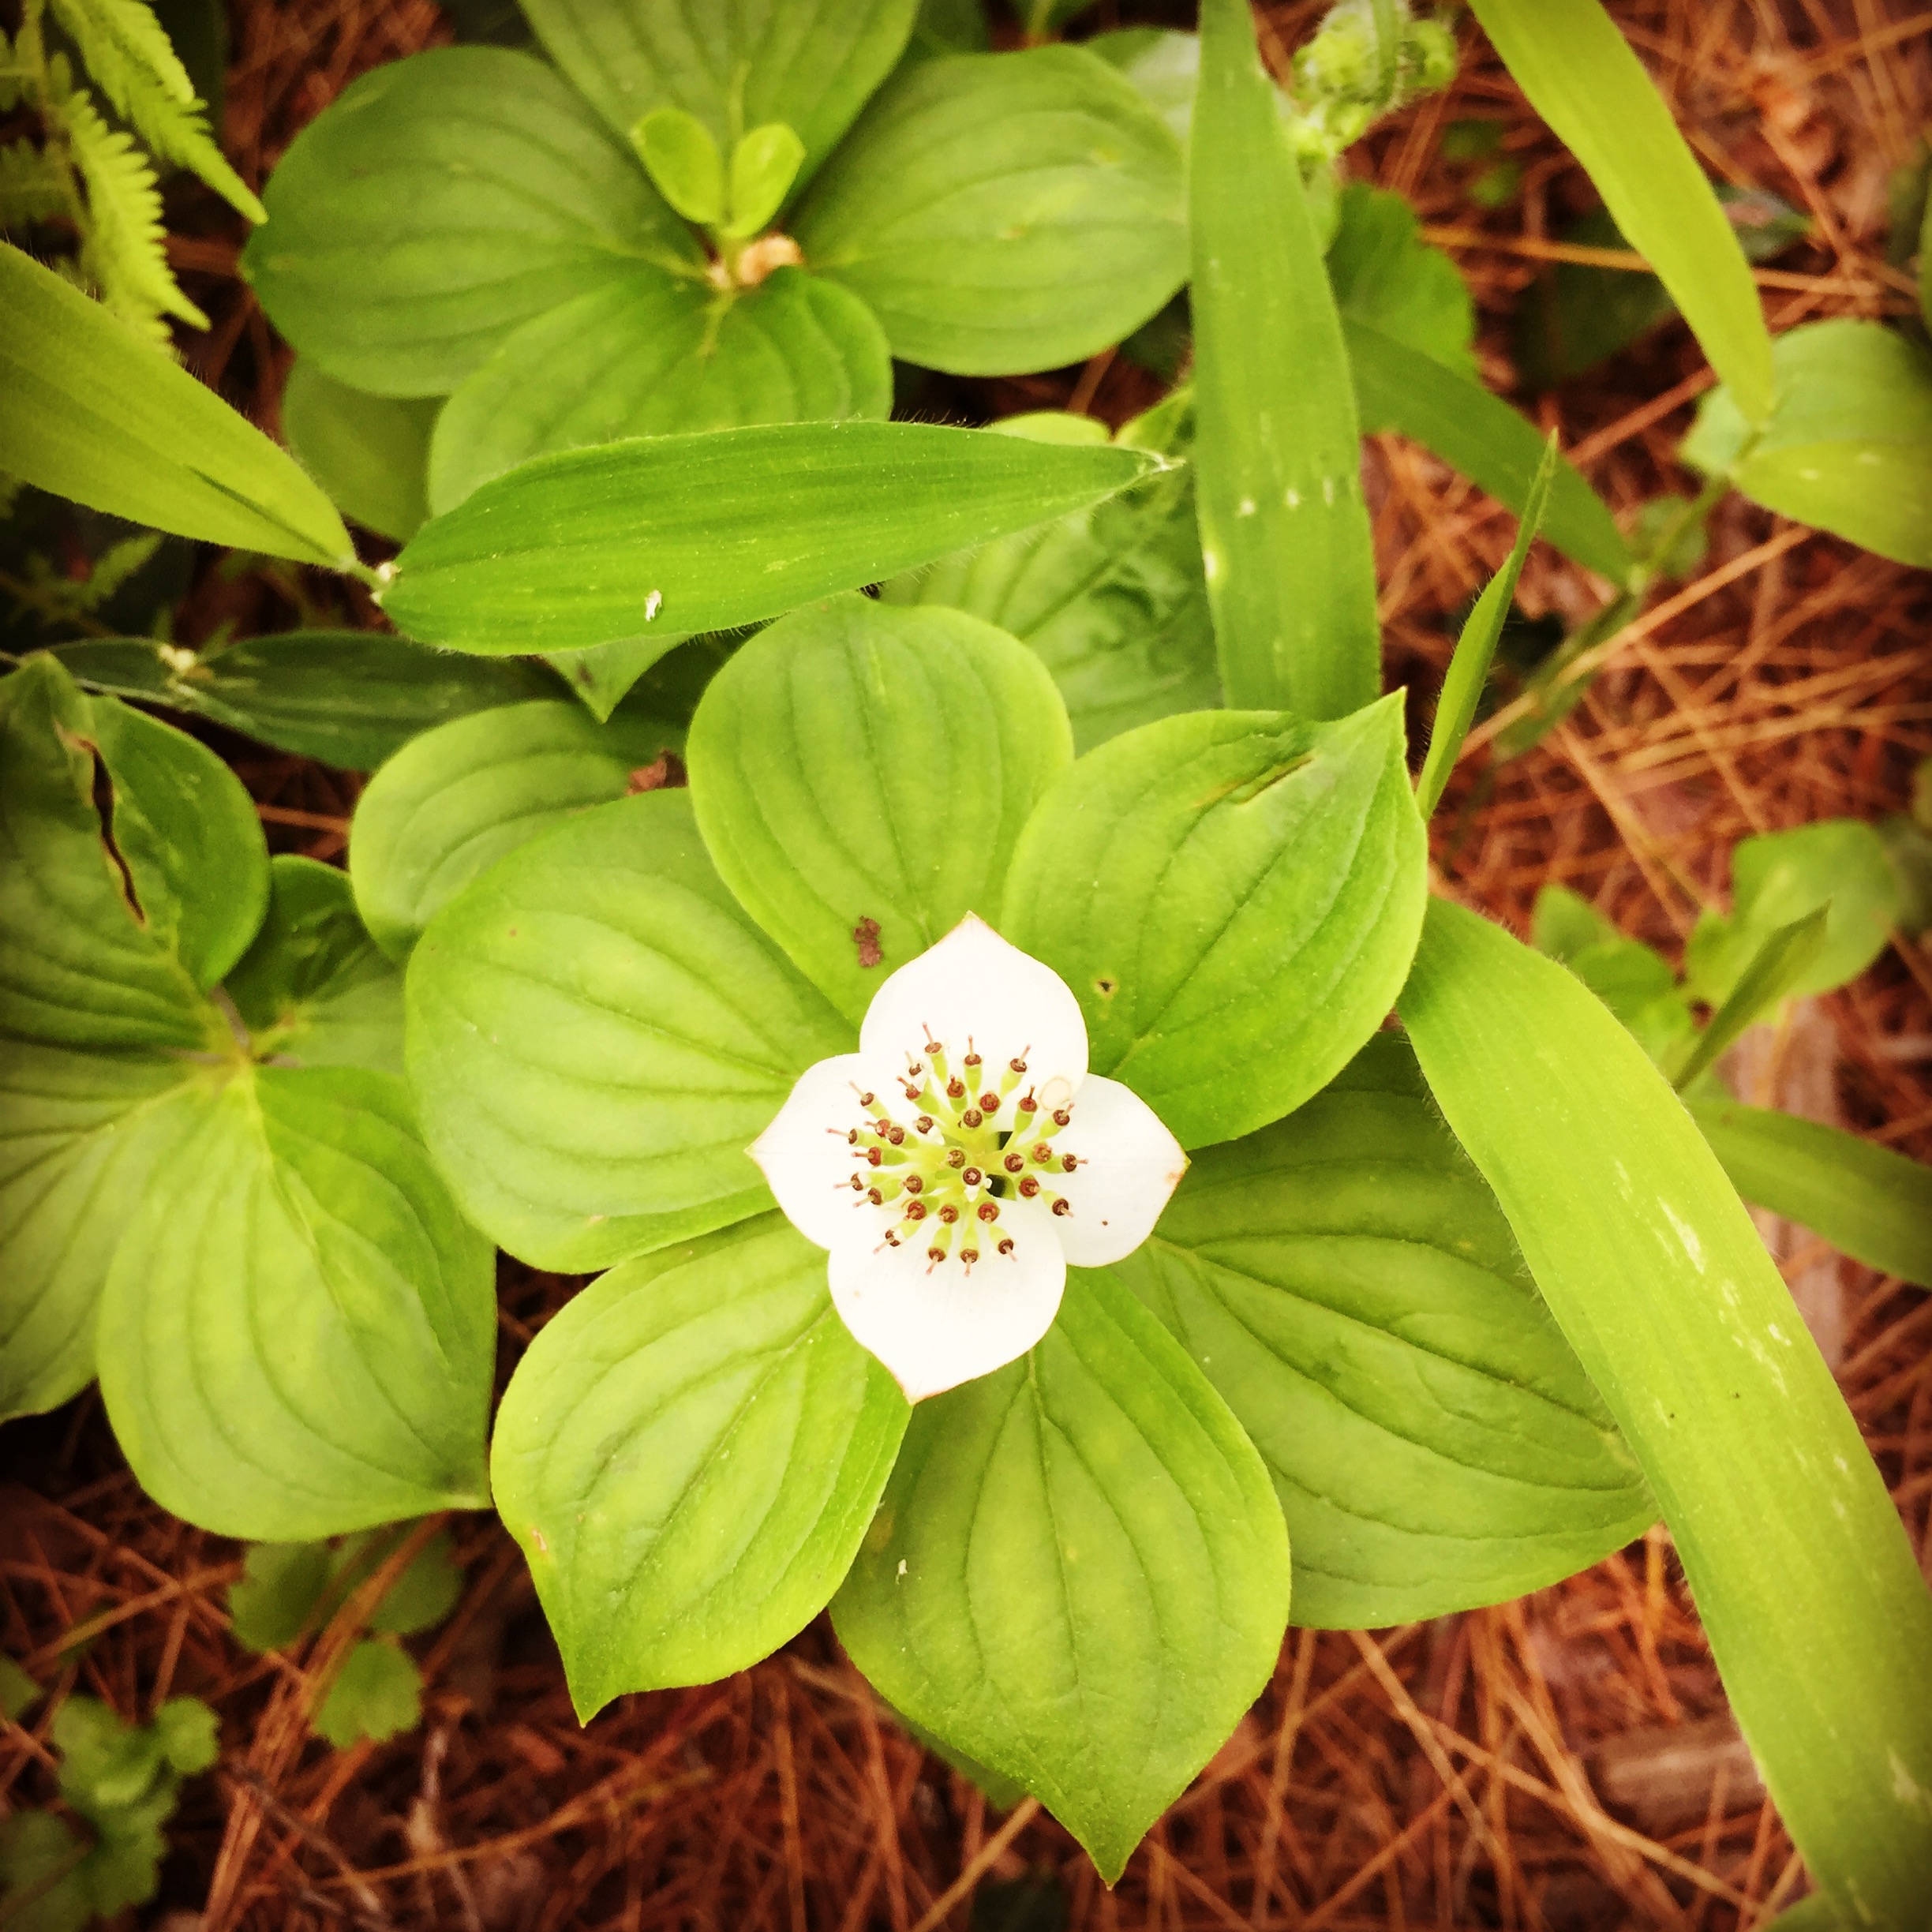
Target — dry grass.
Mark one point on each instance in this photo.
(1565, 1762)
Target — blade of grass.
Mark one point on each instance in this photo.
(1579, 73)
(1284, 531)
(1810, 1592)
(1455, 710)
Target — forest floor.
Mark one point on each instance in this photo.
(1566, 1761)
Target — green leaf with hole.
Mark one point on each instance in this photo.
(1847, 446)
(711, 531)
(300, 1223)
(1112, 599)
(1284, 529)
(648, 353)
(346, 698)
(1779, 877)
(376, 1695)
(1581, 76)
(437, 205)
(733, 63)
(1810, 1595)
(1867, 1201)
(689, 1455)
(89, 411)
(314, 990)
(596, 1033)
(454, 801)
(858, 763)
(371, 453)
(1348, 1284)
(1002, 212)
(1233, 897)
(1089, 1518)
(1399, 388)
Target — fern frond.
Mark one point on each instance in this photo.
(131, 58)
(31, 186)
(122, 253)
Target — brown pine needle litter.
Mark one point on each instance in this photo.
(1564, 1762)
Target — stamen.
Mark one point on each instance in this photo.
(956, 1088)
(956, 1157)
(989, 1211)
(1068, 1163)
(972, 1177)
(989, 1102)
(1006, 1246)
(948, 1214)
(915, 1183)
(1028, 1103)
(1030, 1186)
(1061, 1116)
(1012, 1164)
(973, 1116)
(1063, 1206)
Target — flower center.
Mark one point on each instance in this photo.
(940, 1157)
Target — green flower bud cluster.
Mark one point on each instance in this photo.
(1368, 58)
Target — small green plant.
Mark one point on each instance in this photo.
(118, 1783)
(93, 176)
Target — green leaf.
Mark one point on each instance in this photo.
(1349, 1285)
(189, 1733)
(1867, 1201)
(764, 166)
(90, 413)
(36, 1849)
(1808, 1589)
(856, 764)
(425, 1593)
(689, 1455)
(1782, 961)
(1468, 668)
(1779, 877)
(602, 676)
(735, 64)
(370, 453)
(377, 1694)
(682, 158)
(1162, 64)
(19, 1693)
(314, 990)
(1385, 274)
(452, 801)
(1633, 980)
(711, 531)
(1112, 599)
(1580, 75)
(1078, 1576)
(281, 1587)
(348, 698)
(1284, 531)
(301, 1223)
(597, 1032)
(647, 354)
(439, 203)
(1233, 897)
(1847, 446)
(186, 830)
(1399, 387)
(1002, 211)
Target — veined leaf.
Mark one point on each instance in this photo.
(300, 1222)
(1580, 75)
(689, 1455)
(1088, 1517)
(1002, 211)
(454, 801)
(596, 1033)
(347, 697)
(370, 453)
(1350, 1286)
(89, 412)
(1284, 529)
(1870, 1203)
(1811, 1597)
(1233, 897)
(856, 763)
(711, 531)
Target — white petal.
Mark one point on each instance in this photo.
(974, 985)
(806, 1160)
(1136, 1164)
(937, 1326)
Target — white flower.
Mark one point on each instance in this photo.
(961, 1157)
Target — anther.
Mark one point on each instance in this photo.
(972, 1177)
(876, 1156)
(1019, 1066)
(935, 1256)
(914, 1184)
(895, 1134)
(956, 1157)
(1030, 1186)
(973, 1116)
(989, 1211)
(866, 1099)
(1061, 1116)
(852, 1134)
(1041, 1152)
(956, 1088)
(915, 1210)
(924, 1124)
(1028, 1103)
(1006, 1246)
(990, 1103)
(948, 1214)
(875, 1197)
(891, 1240)
(1063, 1206)
(972, 1059)
(1012, 1164)
(1068, 1163)
(969, 1256)
(858, 1186)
